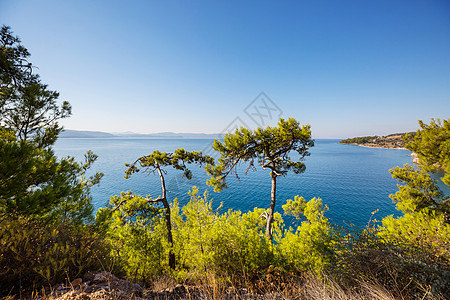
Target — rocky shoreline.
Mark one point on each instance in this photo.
(415, 157)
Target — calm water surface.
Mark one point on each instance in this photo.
(353, 181)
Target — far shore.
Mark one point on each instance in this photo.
(379, 147)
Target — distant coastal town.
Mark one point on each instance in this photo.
(392, 141)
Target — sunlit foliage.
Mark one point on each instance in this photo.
(268, 147)
(432, 144)
(33, 181)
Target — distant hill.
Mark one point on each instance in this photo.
(391, 141)
(67, 133)
(168, 135)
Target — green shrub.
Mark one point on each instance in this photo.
(401, 267)
(232, 243)
(135, 231)
(204, 240)
(311, 245)
(33, 253)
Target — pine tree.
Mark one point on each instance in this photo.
(33, 182)
(270, 148)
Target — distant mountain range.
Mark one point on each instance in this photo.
(67, 133)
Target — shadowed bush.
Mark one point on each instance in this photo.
(33, 254)
(404, 269)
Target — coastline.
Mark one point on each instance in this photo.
(414, 155)
(378, 147)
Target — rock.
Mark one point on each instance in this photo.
(77, 282)
(101, 277)
(415, 157)
(88, 277)
(137, 288)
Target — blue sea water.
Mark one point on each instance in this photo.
(353, 181)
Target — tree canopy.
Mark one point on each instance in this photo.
(138, 207)
(178, 160)
(432, 144)
(33, 181)
(269, 147)
(418, 191)
(27, 106)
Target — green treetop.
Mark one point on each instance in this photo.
(157, 162)
(432, 144)
(33, 182)
(269, 147)
(425, 223)
(26, 104)
(419, 192)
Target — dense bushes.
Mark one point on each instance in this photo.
(205, 240)
(405, 269)
(45, 201)
(135, 230)
(359, 140)
(231, 244)
(34, 253)
(408, 256)
(311, 245)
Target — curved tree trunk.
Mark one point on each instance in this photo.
(272, 205)
(168, 220)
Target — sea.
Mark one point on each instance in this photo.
(352, 181)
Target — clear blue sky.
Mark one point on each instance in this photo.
(348, 68)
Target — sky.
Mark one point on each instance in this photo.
(347, 68)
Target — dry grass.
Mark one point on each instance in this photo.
(163, 283)
(330, 290)
(210, 286)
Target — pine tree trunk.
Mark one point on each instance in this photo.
(168, 220)
(169, 234)
(272, 205)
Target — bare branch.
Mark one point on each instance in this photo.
(250, 166)
(150, 200)
(118, 205)
(263, 215)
